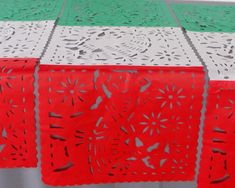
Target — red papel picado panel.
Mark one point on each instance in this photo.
(17, 121)
(217, 168)
(103, 124)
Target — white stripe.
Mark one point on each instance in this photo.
(144, 46)
(218, 52)
(24, 39)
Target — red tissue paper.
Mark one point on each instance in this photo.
(103, 124)
(217, 167)
(17, 121)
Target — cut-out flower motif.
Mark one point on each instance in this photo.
(72, 90)
(18, 47)
(153, 123)
(18, 152)
(31, 28)
(5, 78)
(8, 106)
(162, 34)
(171, 96)
(168, 53)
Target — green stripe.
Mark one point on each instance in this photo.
(208, 18)
(116, 13)
(29, 10)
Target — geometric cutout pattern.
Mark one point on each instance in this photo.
(116, 13)
(118, 124)
(29, 10)
(24, 39)
(218, 52)
(217, 167)
(206, 18)
(17, 123)
(133, 46)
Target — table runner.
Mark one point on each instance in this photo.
(120, 91)
(113, 103)
(215, 41)
(25, 27)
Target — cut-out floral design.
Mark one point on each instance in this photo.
(72, 90)
(31, 28)
(170, 96)
(14, 49)
(112, 135)
(217, 51)
(24, 39)
(153, 123)
(9, 106)
(5, 78)
(119, 46)
(168, 54)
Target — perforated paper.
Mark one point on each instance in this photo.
(118, 123)
(30, 10)
(24, 39)
(116, 13)
(217, 160)
(132, 46)
(217, 51)
(17, 122)
(206, 17)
